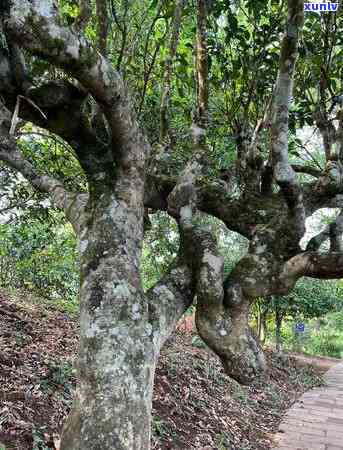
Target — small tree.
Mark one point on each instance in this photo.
(309, 299)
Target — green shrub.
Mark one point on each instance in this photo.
(326, 343)
(39, 256)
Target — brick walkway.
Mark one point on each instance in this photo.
(315, 422)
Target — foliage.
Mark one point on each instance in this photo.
(322, 338)
(310, 298)
(327, 339)
(58, 375)
(39, 255)
(159, 249)
(161, 246)
(326, 342)
(39, 442)
(51, 155)
(242, 40)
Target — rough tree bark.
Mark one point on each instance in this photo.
(121, 328)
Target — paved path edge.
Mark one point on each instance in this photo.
(315, 421)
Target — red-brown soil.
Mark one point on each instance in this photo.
(195, 405)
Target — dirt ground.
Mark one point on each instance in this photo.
(195, 405)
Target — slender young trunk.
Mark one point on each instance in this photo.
(259, 325)
(278, 324)
(102, 25)
(263, 328)
(167, 78)
(112, 409)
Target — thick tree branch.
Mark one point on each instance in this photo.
(72, 203)
(201, 75)
(308, 170)
(46, 107)
(85, 13)
(283, 172)
(52, 98)
(333, 231)
(36, 28)
(169, 299)
(330, 182)
(316, 265)
(224, 327)
(215, 197)
(327, 131)
(102, 25)
(225, 330)
(18, 67)
(222, 309)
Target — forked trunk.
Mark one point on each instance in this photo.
(227, 333)
(263, 329)
(278, 324)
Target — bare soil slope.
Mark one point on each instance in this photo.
(195, 405)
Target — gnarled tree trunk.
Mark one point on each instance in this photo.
(117, 350)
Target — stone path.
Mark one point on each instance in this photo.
(315, 422)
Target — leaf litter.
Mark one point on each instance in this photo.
(195, 405)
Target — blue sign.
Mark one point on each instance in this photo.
(300, 327)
